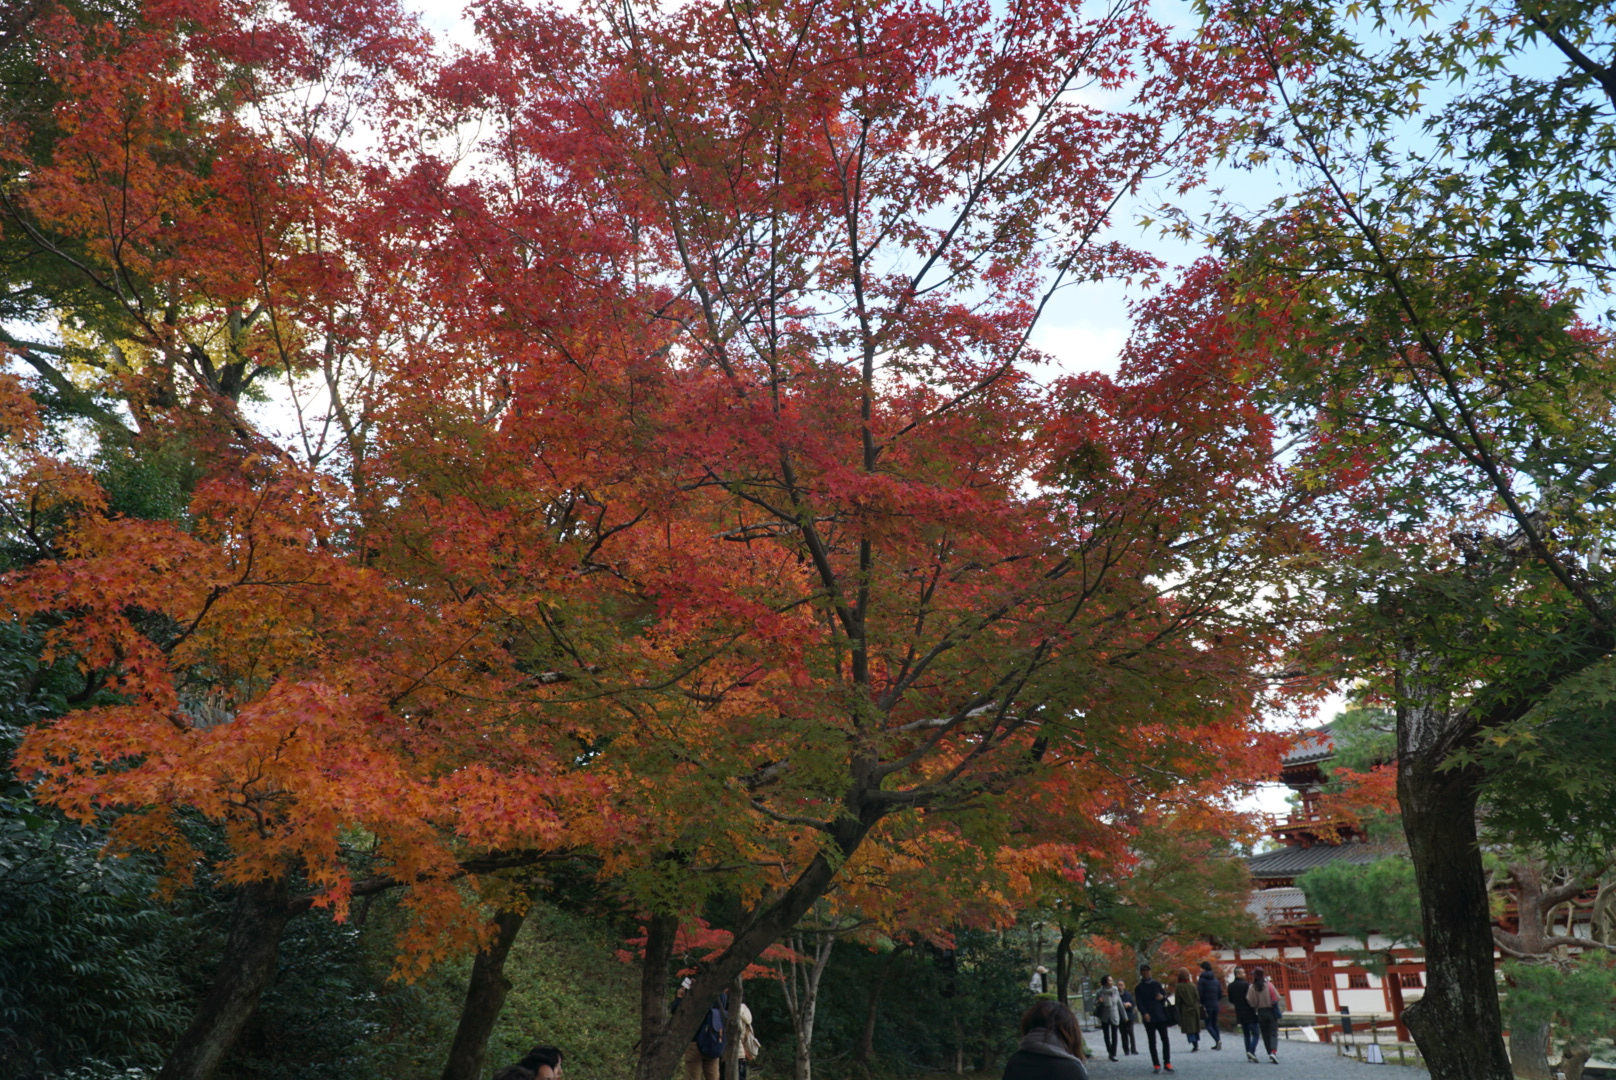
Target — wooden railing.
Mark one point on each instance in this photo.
(1312, 819)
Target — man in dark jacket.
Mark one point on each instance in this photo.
(1210, 988)
(1151, 998)
(1244, 1014)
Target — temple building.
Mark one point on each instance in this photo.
(1300, 953)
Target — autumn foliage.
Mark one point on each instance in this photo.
(671, 482)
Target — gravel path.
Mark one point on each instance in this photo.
(1297, 1061)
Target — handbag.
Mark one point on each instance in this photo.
(1172, 1013)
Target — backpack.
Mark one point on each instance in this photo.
(710, 1036)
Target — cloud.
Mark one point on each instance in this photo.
(1086, 346)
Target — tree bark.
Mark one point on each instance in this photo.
(1063, 963)
(1457, 1024)
(1574, 1060)
(660, 932)
(733, 1051)
(1529, 1052)
(865, 1052)
(257, 924)
(485, 997)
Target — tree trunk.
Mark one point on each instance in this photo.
(485, 997)
(801, 988)
(1063, 964)
(1529, 1052)
(732, 1032)
(660, 931)
(1575, 1057)
(1457, 1024)
(662, 1044)
(866, 1044)
(257, 923)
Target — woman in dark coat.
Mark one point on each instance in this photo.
(1050, 1044)
(1188, 1001)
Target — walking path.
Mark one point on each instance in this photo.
(1297, 1061)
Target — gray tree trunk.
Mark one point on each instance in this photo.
(257, 924)
(1457, 1023)
(485, 997)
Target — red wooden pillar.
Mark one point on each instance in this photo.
(1394, 983)
(1316, 983)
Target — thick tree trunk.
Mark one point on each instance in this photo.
(662, 1045)
(257, 924)
(1529, 1052)
(1457, 1024)
(485, 997)
(660, 931)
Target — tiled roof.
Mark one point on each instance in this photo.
(1292, 861)
(1311, 746)
(1274, 905)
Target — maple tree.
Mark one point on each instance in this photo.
(682, 490)
(267, 682)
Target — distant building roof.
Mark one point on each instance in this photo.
(1311, 746)
(1270, 906)
(1289, 862)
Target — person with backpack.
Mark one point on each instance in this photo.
(1265, 998)
(706, 1050)
(749, 1045)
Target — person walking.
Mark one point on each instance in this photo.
(1151, 997)
(1266, 999)
(1130, 1013)
(1244, 1014)
(1210, 988)
(748, 1046)
(1051, 1045)
(706, 1050)
(1188, 1004)
(1108, 1011)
